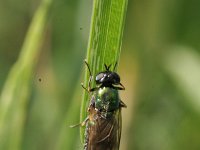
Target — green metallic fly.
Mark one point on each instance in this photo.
(103, 123)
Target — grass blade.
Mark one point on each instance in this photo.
(15, 94)
(105, 40)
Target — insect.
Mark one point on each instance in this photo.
(103, 123)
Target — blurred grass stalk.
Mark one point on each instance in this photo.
(105, 41)
(16, 91)
(182, 63)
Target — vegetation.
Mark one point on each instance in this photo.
(105, 40)
(40, 82)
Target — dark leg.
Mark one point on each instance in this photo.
(122, 88)
(84, 87)
(122, 104)
(94, 89)
(90, 79)
(119, 88)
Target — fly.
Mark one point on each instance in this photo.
(103, 123)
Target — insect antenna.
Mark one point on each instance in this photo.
(115, 67)
(107, 67)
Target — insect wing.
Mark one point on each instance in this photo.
(103, 133)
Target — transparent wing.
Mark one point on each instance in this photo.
(103, 133)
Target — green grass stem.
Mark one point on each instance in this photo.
(105, 41)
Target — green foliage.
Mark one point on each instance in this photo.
(16, 92)
(159, 66)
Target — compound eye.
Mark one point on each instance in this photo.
(116, 78)
(99, 77)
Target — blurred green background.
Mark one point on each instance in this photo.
(159, 66)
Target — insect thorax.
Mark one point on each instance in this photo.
(107, 99)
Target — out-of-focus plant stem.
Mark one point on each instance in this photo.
(16, 91)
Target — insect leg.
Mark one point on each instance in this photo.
(80, 124)
(122, 104)
(122, 88)
(90, 78)
(119, 88)
(84, 88)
